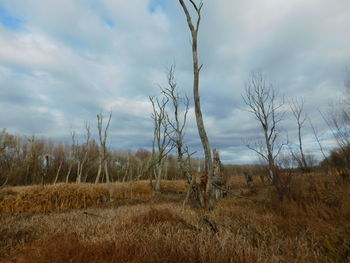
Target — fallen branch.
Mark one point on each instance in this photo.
(234, 194)
(7, 178)
(92, 214)
(188, 225)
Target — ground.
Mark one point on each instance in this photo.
(76, 223)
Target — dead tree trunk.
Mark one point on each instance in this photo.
(297, 108)
(68, 173)
(84, 154)
(194, 191)
(58, 172)
(218, 178)
(103, 134)
(158, 173)
(97, 180)
(207, 179)
(162, 143)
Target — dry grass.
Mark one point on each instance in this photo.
(311, 225)
(174, 186)
(62, 197)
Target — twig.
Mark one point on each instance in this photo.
(92, 214)
(188, 225)
(212, 225)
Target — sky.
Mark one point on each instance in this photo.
(63, 62)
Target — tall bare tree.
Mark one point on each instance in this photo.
(103, 162)
(260, 97)
(297, 108)
(194, 28)
(83, 153)
(180, 106)
(162, 143)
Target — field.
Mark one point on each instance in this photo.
(76, 223)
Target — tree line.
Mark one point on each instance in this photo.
(31, 160)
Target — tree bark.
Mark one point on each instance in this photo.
(58, 172)
(98, 174)
(198, 113)
(68, 173)
(109, 185)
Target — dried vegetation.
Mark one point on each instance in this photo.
(311, 224)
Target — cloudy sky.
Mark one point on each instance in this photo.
(62, 62)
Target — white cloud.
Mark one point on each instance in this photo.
(73, 59)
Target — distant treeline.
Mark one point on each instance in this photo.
(25, 161)
(31, 160)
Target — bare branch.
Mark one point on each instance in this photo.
(318, 140)
(297, 108)
(260, 97)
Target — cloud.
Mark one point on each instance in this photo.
(62, 62)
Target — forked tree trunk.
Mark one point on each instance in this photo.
(199, 119)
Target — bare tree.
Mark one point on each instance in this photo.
(2, 140)
(2, 149)
(194, 28)
(144, 164)
(317, 138)
(83, 153)
(71, 155)
(338, 120)
(297, 108)
(127, 168)
(103, 166)
(35, 162)
(162, 143)
(260, 97)
(58, 172)
(180, 106)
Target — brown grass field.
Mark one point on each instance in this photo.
(74, 223)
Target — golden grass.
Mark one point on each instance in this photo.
(311, 225)
(62, 197)
(174, 186)
(161, 233)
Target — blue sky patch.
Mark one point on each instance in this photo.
(110, 23)
(10, 21)
(156, 4)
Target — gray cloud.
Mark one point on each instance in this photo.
(73, 59)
